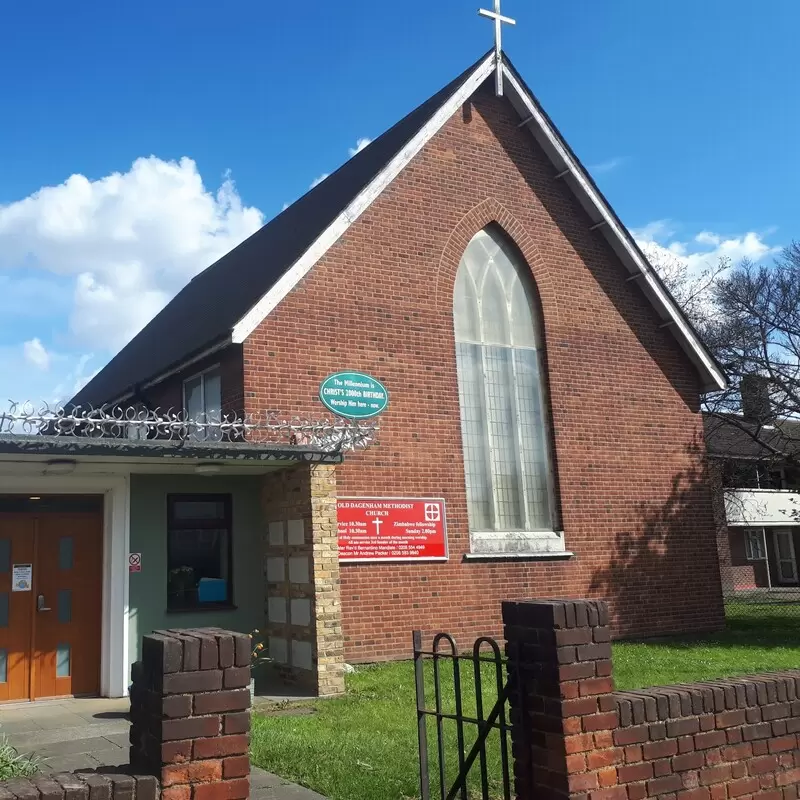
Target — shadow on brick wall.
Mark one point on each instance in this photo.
(668, 557)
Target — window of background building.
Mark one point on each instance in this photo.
(754, 545)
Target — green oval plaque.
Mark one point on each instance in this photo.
(353, 395)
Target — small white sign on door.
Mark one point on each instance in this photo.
(22, 578)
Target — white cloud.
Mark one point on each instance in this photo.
(661, 243)
(36, 354)
(80, 372)
(609, 165)
(690, 267)
(100, 258)
(360, 145)
(315, 182)
(22, 381)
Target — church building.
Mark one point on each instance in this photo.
(539, 430)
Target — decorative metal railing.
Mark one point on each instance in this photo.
(139, 424)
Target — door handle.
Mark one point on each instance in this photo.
(40, 606)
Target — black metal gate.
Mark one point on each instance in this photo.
(460, 717)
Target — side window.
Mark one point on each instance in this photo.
(202, 401)
(199, 548)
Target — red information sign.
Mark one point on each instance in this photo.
(391, 529)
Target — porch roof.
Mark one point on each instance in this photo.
(244, 453)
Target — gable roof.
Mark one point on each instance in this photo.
(226, 302)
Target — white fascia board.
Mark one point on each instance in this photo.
(619, 237)
(253, 318)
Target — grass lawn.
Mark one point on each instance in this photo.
(364, 745)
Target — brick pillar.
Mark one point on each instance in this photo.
(190, 722)
(303, 606)
(564, 714)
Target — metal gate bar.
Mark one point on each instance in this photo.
(496, 719)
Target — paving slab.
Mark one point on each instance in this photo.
(36, 739)
(266, 786)
(70, 763)
(72, 735)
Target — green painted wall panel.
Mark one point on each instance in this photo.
(148, 588)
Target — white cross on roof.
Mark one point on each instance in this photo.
(499, 20)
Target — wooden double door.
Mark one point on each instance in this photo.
(51, 568)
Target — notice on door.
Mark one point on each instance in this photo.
(391, 529)
(22, 578)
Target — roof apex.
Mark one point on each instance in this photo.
(216, 308)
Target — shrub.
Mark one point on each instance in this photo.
(14, 765)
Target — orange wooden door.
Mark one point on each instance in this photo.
(68, 604)
(17, 534)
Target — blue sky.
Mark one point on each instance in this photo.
(186, 125)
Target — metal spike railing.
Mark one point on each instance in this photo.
(140, 424)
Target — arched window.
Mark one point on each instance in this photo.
(500, 382)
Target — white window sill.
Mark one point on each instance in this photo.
(516, 544)
(552, 556)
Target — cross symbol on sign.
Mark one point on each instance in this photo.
(432, 512)
(377, 523)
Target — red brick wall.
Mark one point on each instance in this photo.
(716, 740)
(635, 507)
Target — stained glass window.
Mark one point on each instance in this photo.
(500, 381)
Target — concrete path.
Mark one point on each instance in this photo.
(70, 735)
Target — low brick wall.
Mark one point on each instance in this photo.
(575, 737)
(81, 786)
(733, 738)
(190, 726)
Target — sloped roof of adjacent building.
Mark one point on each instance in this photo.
(732, 436)
(225, 302)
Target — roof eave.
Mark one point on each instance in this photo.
(303, 265)
(616, 234)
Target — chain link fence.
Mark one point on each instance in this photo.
(759, 571)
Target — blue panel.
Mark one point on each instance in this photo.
(62, 661)
(3, 609)
(65, 552)
(212, 590)
(5, 555)
(3, 666)
(65, 605)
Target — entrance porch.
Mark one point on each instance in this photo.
(104, 539)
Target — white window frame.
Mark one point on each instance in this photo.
(202, 375)
(755, 545)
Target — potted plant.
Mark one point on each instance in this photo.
(258, 660)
